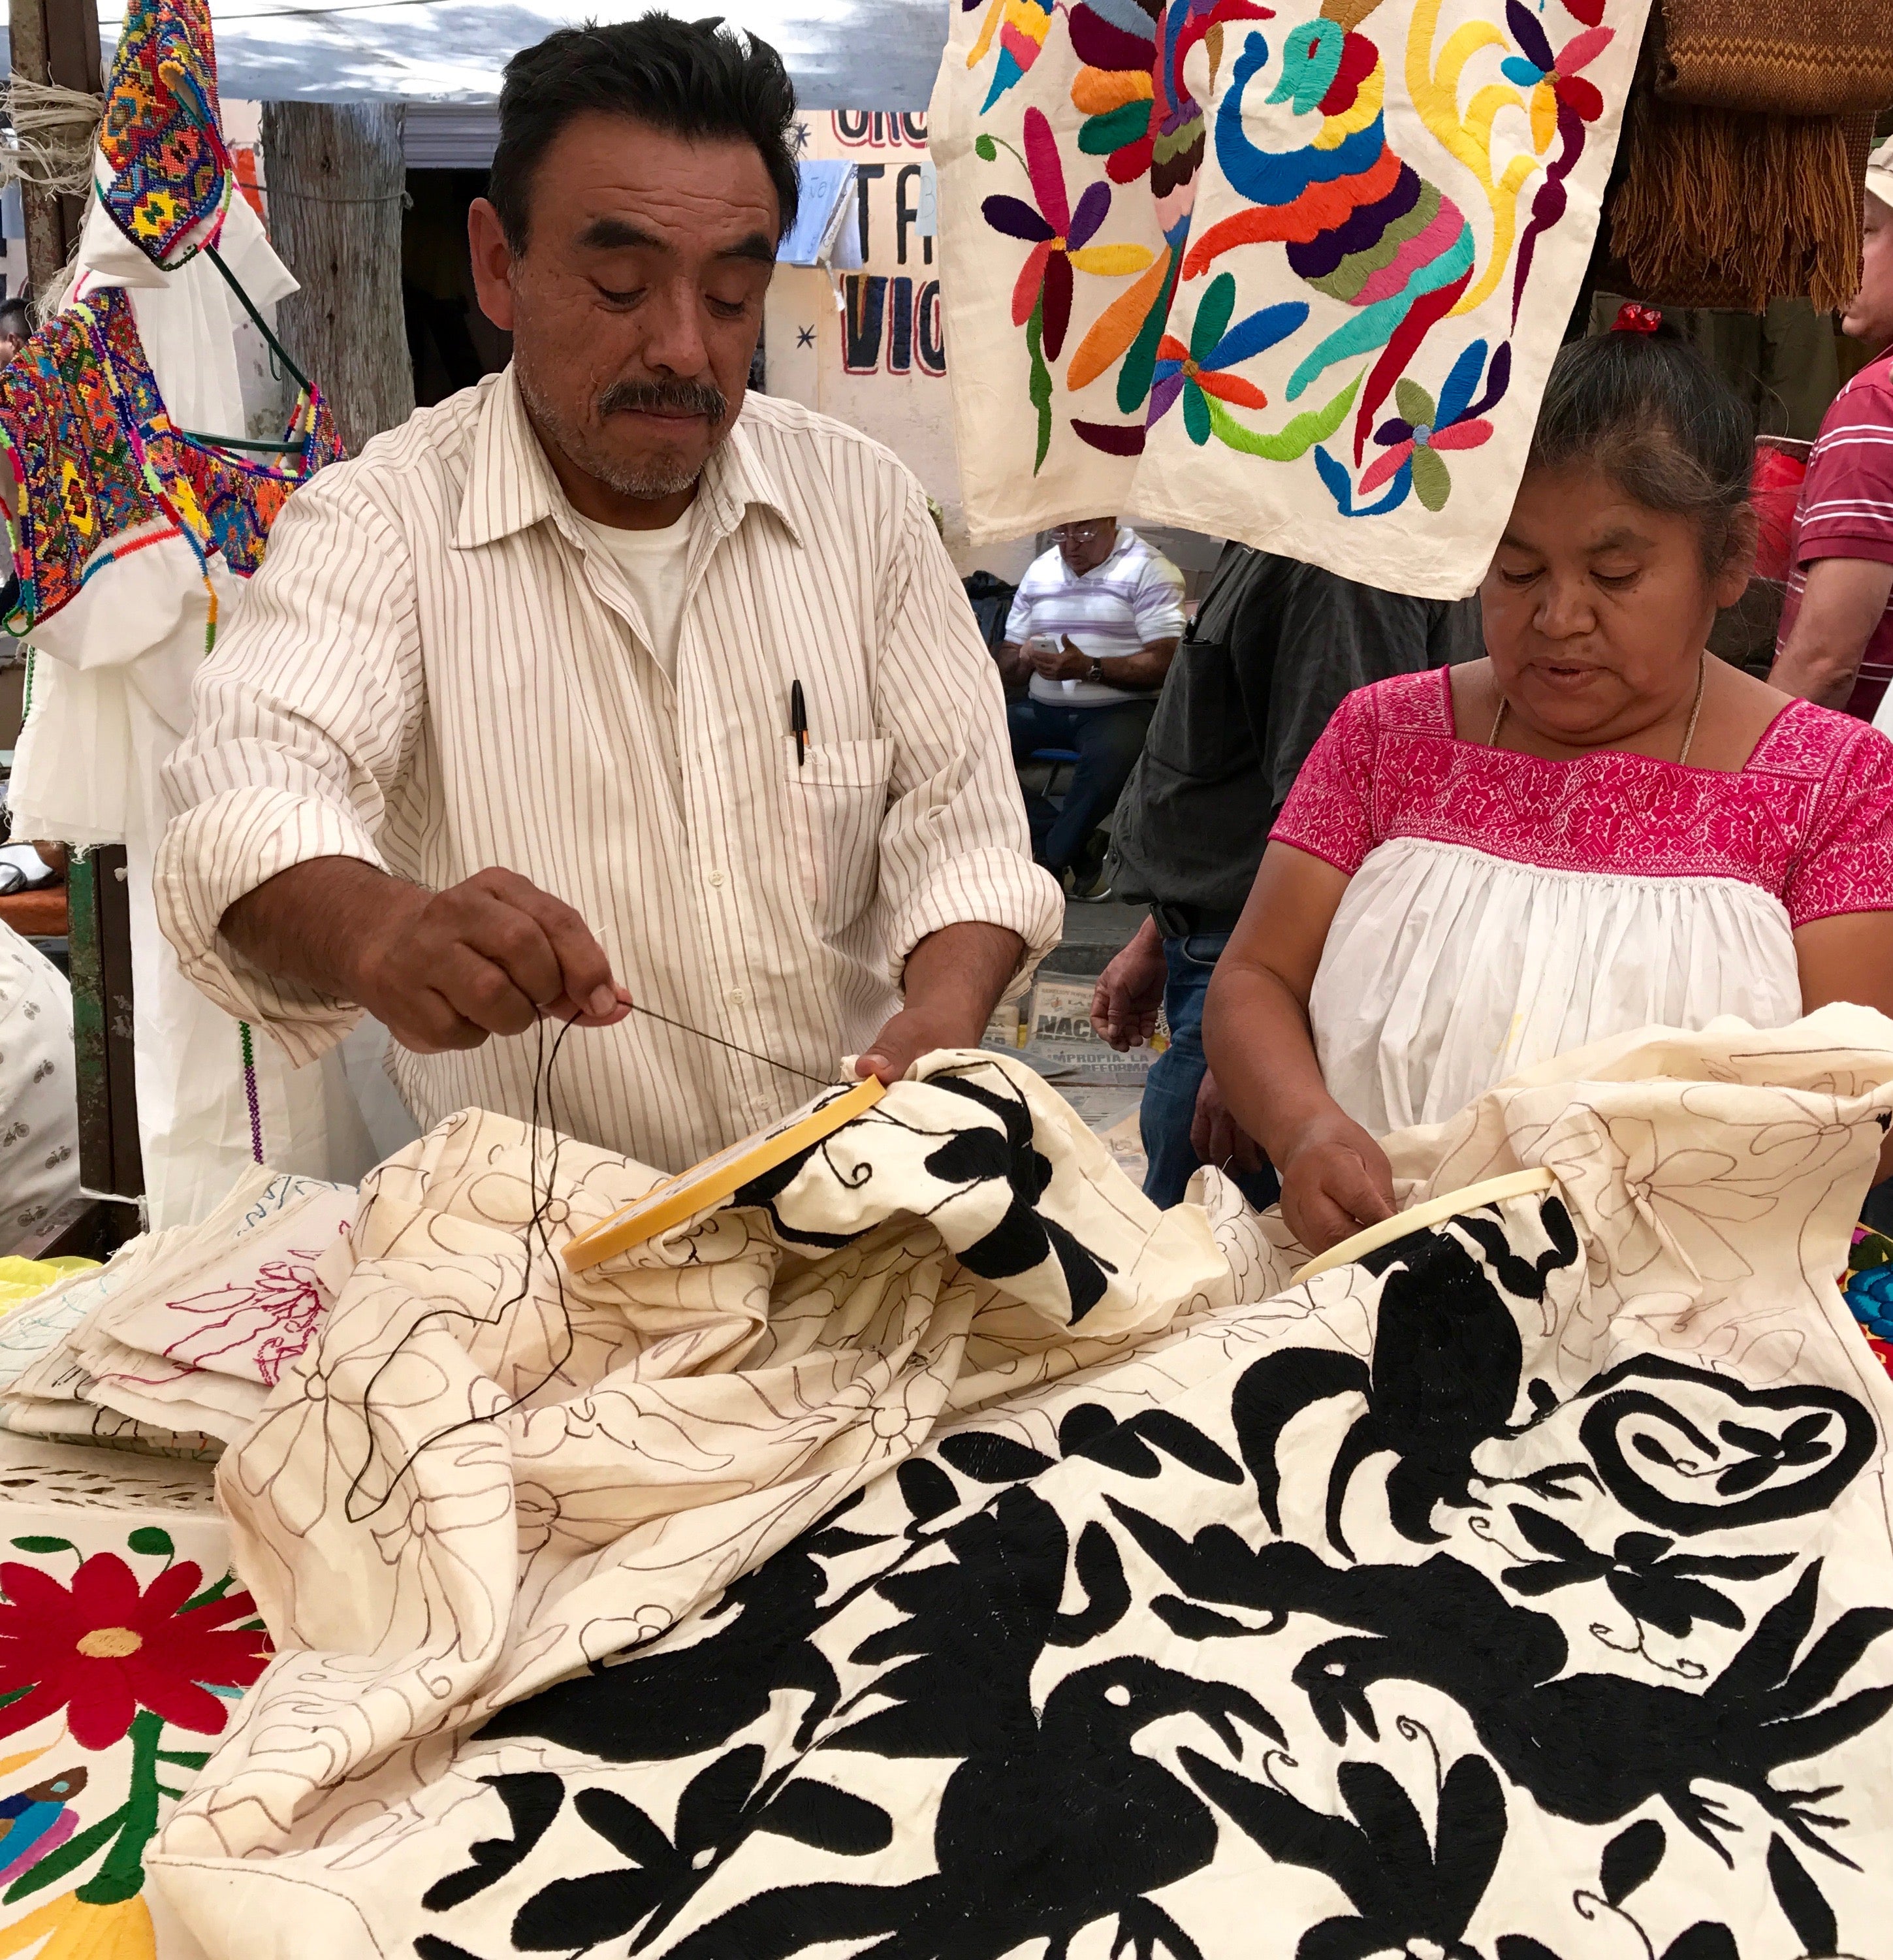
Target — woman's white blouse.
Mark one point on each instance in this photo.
(1503, 909)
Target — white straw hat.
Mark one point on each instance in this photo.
(1879, 173)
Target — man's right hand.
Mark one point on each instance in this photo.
(440, 970)
(1130, 991)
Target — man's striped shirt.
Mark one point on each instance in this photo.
(1846, 511)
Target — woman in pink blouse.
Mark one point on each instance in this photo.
(1597, 828)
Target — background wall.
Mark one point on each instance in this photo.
(865, 345)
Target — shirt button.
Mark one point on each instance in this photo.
(716, 877)
(738, 998)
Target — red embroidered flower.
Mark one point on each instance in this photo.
(104, 1648)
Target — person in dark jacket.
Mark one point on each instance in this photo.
(1275, 646)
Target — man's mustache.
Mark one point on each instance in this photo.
(689, 398)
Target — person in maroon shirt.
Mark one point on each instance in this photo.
(1835, 645)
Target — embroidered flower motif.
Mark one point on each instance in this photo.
(1805, 1440)
(1423, 428)
(1059, 236)
(103, 1648)
(1197, 372)
(1554, 79)
(1642, 1576)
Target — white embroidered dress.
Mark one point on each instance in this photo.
(1503, 909)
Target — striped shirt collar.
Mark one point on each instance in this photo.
(511, 486)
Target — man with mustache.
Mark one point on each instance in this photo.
(605, 683)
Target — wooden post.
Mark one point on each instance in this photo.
(335, 181)
(53, 41)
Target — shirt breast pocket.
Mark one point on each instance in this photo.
(837, 798)
(1201, 726)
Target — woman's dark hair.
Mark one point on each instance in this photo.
(1649, 412)
(694, 79)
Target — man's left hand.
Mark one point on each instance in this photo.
(911, 1033)
(952, 981)
(1058, 660)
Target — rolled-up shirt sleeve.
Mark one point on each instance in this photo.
(306, 714)
(954, 844)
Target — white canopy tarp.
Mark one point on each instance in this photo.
(843, 54)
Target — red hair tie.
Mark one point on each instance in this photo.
(1634, 317)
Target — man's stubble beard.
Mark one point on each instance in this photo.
(650, 484)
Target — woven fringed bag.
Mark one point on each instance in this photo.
(1744, 163)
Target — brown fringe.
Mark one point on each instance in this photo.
(1754, 207)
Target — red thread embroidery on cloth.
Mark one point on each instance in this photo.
(1809, 818)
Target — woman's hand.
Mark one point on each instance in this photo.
(1216, 1136)
(1335, 1180)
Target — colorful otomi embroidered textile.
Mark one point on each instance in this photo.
(170, 173)
(1288, 276)
(125, 1642)
(98, 470)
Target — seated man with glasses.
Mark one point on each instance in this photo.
(1094, 624)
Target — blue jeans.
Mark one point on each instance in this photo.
(1170, 1089)
(1108, 739)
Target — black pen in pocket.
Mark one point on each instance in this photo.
(799, 723)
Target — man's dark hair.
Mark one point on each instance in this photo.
(694, 79)
(13, 322)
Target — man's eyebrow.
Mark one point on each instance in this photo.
(619, 234)
(756, 246)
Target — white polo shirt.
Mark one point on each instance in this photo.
(1114, 610)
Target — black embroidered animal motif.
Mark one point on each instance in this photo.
(1052, 1821)
(1829, 1436)
(1591, 1747)
(975, 1626)
(1045, 1829)
(679, 1701)
(1408, 1896)
(722, 1807)
(1024, 1237)
(1444, 1378)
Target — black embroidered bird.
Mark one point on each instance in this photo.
(1051, 1822)
(1591, 1747)
(680, 1701)
(1039, 1834)
(1444, 1377)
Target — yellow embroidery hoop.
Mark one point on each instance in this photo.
(707, 1183)
(1433, 1211)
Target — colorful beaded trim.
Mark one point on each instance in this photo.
(171, 175)
(96, 470)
